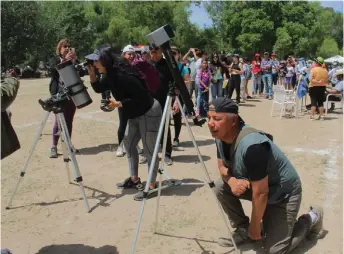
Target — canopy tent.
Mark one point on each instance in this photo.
(337, 58)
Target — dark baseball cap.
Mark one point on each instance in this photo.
(94, 56)
(225, 105)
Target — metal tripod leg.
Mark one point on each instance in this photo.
(78, 177)
(151, 168)
(166, 120)
(22, 173)
(66, 159)
(207, 177)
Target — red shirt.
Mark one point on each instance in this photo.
(256, 67)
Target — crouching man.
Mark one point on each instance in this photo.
(253, 168)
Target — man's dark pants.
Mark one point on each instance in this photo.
(283, 232)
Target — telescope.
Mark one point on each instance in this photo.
(160, 38)
(73, 87)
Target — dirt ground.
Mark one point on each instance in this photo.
(49, 216)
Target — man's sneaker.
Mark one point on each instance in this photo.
(240, 235)
(321, 118)
(120, 151)
(176, 143)
(317, 229)
(168, 161)
(130, 184)
(53, 152)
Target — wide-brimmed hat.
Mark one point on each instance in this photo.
(319, 60)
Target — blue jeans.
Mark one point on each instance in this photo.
(216, 89)
(256, 80)
(202, 102)
(267, 80)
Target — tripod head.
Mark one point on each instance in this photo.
(161, 38)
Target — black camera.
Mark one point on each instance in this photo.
(105, 101)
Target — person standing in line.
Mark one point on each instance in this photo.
(257, 76)
(275, 68)
(266, 67)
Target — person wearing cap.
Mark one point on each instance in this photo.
(338, 89)
(266, 67)
(317, 87)
(257, 77)
(144, 112)
(145, 54)
(275, 68)
(253, 168)
(128, 55)
(332, 77)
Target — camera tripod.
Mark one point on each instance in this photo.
(67, 152)
(165, 122)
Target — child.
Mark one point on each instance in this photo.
(289, 76)
(203, 90)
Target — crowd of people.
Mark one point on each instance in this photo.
(251, 166)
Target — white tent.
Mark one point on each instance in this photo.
(337, 58)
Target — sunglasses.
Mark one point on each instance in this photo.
(66, 46)
(174, 53)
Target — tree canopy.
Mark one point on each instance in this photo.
(301, 28)
(30, 30)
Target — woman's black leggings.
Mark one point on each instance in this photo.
(234, 84)
(123, 120)
(177, 120)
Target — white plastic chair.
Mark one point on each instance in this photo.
(283, 98)
(330, 101)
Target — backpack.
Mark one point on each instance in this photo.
(242, 134)
(150, 74)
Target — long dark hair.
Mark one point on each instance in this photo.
(115, 64)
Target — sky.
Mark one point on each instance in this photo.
(200, 17)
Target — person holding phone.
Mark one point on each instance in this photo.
(64, 52)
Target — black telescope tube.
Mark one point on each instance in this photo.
(179, 81)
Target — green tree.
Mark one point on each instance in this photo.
(19, 31)
(328, 48)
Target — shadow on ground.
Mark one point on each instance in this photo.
(104, 198)
(205, 142)
(77, 249)
(98, 149)
(179, 190)
(189, 158)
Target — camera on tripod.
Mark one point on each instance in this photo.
(73, 87)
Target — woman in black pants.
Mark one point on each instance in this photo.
(144, 112)
(236, 69)
(177, 115)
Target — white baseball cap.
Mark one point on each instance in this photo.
(128, 48)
